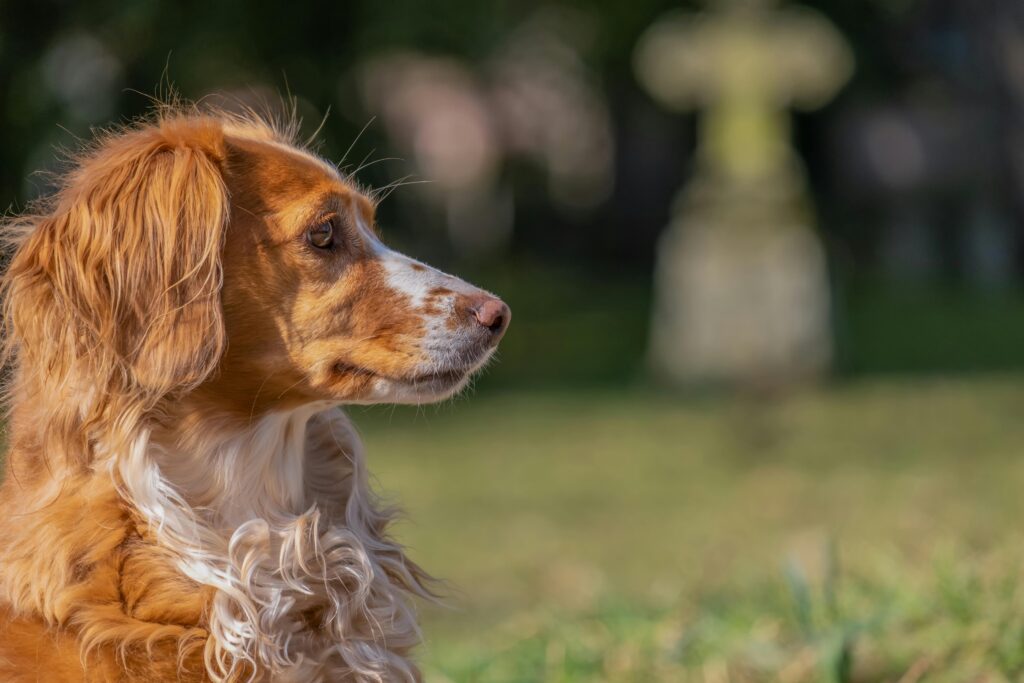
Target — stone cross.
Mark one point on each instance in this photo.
(741, 291)
(744, 65)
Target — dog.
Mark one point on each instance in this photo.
(184, 498)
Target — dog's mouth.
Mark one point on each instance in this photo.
(433, 381)
(445, 378)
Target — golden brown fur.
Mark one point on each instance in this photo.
(182, 501)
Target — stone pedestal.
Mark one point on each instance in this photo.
(742, 291)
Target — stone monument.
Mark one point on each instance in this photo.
(741, 292)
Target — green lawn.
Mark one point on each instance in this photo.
(868, 532)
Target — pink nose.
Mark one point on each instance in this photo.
(493, 314)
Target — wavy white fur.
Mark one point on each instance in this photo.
(278, 518)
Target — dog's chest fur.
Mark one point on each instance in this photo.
(281, 567)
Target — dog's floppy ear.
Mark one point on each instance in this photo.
(119, 285)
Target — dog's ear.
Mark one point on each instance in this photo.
(119, 284)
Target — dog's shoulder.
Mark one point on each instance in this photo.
(79, 574)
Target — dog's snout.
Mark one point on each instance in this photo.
(492, 314)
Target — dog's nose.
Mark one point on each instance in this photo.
(492, 314)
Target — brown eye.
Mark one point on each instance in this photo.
(321, 235)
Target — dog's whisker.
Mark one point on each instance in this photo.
(355, 141)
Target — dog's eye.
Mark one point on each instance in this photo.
(321, 235)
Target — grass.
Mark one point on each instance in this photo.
(868, 532)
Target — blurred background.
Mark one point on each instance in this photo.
(757, 417)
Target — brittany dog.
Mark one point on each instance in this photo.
(184, 498)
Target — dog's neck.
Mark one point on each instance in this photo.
(234, 468)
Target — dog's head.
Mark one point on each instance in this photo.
(316, 305)
(208, 253)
